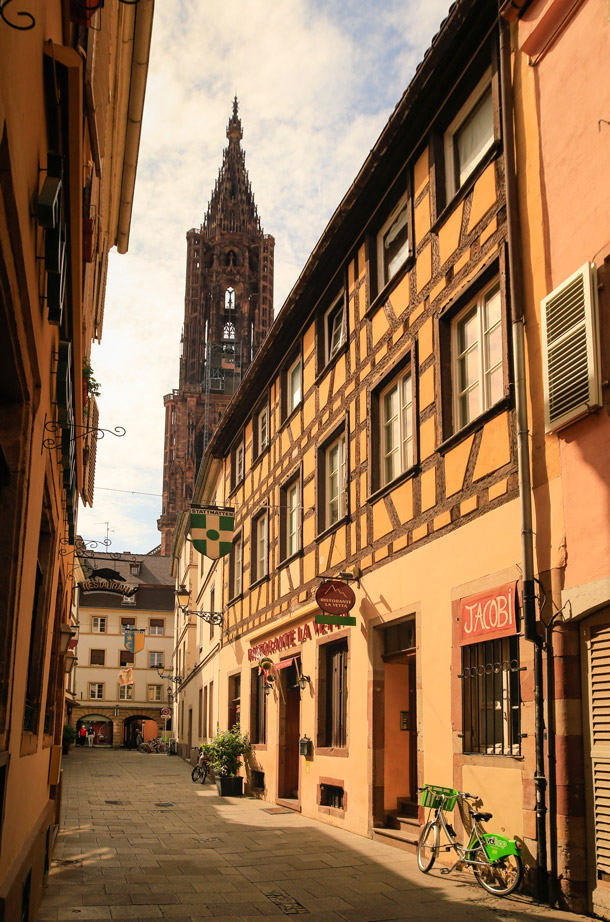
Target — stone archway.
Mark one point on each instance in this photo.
(119, 719)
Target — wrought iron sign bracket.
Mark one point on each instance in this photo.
(30, 22)
(57, 429)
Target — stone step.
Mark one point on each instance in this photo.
(405, 839)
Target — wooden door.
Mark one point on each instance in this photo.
(290, 714)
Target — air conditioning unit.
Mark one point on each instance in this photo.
(570, 350)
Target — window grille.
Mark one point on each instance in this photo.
(491, 697)
(331, 795)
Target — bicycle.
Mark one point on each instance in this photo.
(495, 860)
(200, 771)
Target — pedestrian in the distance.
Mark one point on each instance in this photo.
(82, 735)
(138, 739)
(90, 736)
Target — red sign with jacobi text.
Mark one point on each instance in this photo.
(488, 615)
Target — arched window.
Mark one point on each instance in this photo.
(229, 331)
(230, 299)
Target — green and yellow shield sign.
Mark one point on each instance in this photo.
(212, 531)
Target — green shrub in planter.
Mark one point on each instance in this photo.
(225, 751)
(68, 737)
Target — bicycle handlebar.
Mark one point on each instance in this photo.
(460, 793)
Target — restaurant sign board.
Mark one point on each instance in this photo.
(488, 615)
(335, 597)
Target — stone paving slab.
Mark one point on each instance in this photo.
(227, 860)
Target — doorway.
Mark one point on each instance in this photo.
(395, 773)
(289, 730)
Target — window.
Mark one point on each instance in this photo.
(396, 427)
(157, 626)
(97, 657)
(491, 697)
(334, 327)
(393, 243)
(293, 385)
(469, 137)
(134, 569)
(333, 483)
(125, 692)
(259, 547)
(128, 624)
(290, 524)
(235, 558)
(478, 363)
(237, 463)
(98, 625)
(332, 698)
(262, 430)
(96, 689)
(154, 693)
(129, 599)
(126, 657)
(258, 709)
(234, 700)
(154, 659)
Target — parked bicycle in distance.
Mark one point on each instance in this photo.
(200, 771)
(495, 860)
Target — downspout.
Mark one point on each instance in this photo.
(517, 301)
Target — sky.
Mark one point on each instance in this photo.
(316, 82)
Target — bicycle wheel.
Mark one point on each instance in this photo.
(427, 847)
(500, 877)
(197, 773)
(204, 773)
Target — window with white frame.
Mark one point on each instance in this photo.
(125, 692)
(154, 659)
(235, 567)
(128, 624)
(260, 547)
(154, 693)
(335, 505)
(126, 657)
(96, 689)
(98, 625)
(396, 424)
(238, 463)
(262, 430)
(478, 357)
(469, 136)
(293, 385)
(334, 327)
(97, 657)
(157, 626)
(292, 518)
(393, 244)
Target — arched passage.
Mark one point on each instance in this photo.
(138, 723)
(101, 726)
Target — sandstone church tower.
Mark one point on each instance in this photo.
(228, 309)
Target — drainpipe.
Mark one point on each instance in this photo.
(523, 454)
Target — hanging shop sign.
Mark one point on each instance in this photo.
(338, 620)
(489, 615)
(335, 597)
(134, 641)
(211, 529)
(103, 584)
(126, 677)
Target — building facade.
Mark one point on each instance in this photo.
(116, 710)
(564, 206)
(228, 311)
(388, 455)
(72, 86)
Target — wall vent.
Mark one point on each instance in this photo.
(570, 349)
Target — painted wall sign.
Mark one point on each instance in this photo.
(134, 641)
(335, 597)
(107, 585)
(488, 615)
(287, 640)
(211, 529)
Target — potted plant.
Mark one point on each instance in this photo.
(68, 738)
(225, 750)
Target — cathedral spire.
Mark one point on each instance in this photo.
(231, 208)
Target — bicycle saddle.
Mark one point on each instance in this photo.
(484, 817)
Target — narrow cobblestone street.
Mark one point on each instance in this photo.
(140, 841)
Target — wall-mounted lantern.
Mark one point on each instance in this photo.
(305, 746)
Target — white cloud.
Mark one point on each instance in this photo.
(316, 82)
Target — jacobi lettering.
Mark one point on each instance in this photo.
(493, 613)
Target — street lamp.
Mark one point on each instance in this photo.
(170, 678)
(183, 597)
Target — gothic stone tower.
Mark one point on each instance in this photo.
(228, 311)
